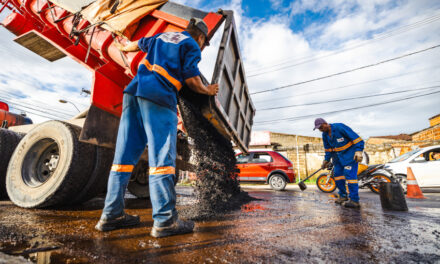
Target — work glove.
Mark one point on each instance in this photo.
(325, 164)
(358, 156)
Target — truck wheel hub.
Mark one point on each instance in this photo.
(40, 162)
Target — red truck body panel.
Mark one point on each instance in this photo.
(53, 33)
(112, 69)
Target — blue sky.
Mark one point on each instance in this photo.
(286, 42)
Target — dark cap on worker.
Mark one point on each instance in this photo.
(319, 122)
(201, 25)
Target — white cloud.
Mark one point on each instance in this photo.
(271, 40)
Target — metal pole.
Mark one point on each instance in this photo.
(297, 159)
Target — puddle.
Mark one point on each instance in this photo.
(281, 227)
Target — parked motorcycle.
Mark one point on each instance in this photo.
(370, 178)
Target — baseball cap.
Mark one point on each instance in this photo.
(201, 25)
(319, 122)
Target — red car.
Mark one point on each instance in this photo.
(265, 166)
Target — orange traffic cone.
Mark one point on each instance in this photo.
(413, 190)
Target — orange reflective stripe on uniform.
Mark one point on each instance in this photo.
(357, 140)
(162, 170)
(352, 181)
(349, 144)
(346, 146)
(328, 150)
(160, 70)
(122, 168)
(339, 178)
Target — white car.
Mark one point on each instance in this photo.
(424, 163)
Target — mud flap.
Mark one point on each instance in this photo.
(392, 197)
(100, 128)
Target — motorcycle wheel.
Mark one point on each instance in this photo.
(325, 187)
(377, 179)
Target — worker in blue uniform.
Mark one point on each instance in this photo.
(344, 147)
(149, 116)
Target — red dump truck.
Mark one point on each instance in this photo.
(67, 162)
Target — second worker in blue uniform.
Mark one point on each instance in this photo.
(344, 147)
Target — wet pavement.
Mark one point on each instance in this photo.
(281, 227)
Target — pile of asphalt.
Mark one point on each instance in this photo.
(217, 189)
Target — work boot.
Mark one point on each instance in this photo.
(341, 200)
(352, 204)
(178, 228)
(125, 220)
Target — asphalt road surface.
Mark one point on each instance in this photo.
(282, 227)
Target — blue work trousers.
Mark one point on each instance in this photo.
(143, 122)
(347, 174)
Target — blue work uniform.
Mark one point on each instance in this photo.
(340, 147)
(149, 116)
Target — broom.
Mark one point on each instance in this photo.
(302, 185)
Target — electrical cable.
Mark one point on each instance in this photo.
(348, 71)
(36, 102)
(30, 105)
(13, 100)
(344, 86)
(342, 110)
(419, 23)
(257, 71)
(13, 104)
(349, 98)
(34, 113)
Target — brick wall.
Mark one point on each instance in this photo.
(435, 120)
(312, 155)
(431, 133)
(375, 141)
(310, 150)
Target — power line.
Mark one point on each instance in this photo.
(349, 98)
(21, 96)
(33, 106)
(21, 106)
(34, 113)
(255, 71)
(347, 71)
(343, 86)
(342, 110)
(35, 103)
(355, 45)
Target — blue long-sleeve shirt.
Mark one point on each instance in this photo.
(172, 57)
(342, 144)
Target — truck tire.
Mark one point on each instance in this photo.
(138, 184)
(8, 141)
(97, 182)
(277, 182)
(49, 166)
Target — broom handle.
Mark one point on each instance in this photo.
(311, 175)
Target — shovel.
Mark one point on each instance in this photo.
(302, 185)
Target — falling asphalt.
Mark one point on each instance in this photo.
(280, 227)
